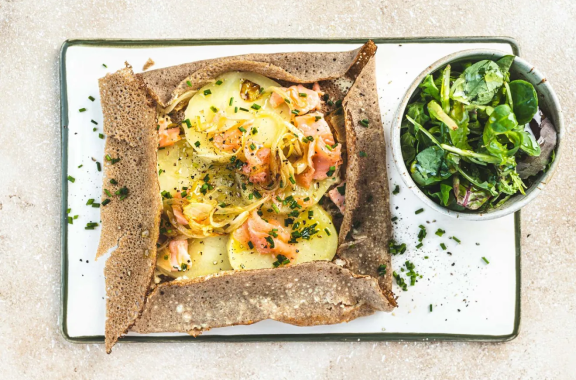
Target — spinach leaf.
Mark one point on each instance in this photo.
(502, 119)
(442, 196)
(500, 132)
(429, 167)
(529, 144)
(525, 100)
(504, 64)
(408, 146)
(478, 83)
(429, 89)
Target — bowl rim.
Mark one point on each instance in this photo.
(404, 171)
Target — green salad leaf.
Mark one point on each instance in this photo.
(429, 89)
(478, 83)
(525, 101)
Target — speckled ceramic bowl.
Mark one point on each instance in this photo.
(548, 103)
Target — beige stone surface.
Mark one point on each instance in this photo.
(31, 33)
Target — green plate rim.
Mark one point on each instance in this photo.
(338, 337)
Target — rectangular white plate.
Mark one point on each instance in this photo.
(471, 300)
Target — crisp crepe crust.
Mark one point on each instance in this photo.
(131, 223)
(366, 229)
(301, 67)
(305, 294)
(315, 293)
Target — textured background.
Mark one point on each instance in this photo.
(31, 33)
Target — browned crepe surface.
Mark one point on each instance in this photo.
(308, 294)
(131, 223)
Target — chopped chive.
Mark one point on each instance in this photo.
(257, 195)
(252, 146)
(443, 246)
(275, 208)
(113, 181)
(331, 171)
(394, 219)
(362, 154)
(327, 231)
(244, 109)
(218, 82)
(430, 307)
(382, 270)
(250, 245)
(235, 109)
(292, 180)
(189, 83)
(296, 112)
(242, 129)
(302, 94)
(188, 124)
(316, 118)
(426, 257)
(456, 239)
(310, 214)
(419, 245)
(440, 232)
(197, 144)
(96, 205)
(82, 110)
(71, 179)
(364, 122)
(231, 100)
(70, 220)
(91, 98)
(486, 260)
(108, 192)
(89, 202)
(287, 100)
(94, 129)
(338, 103)
(255, 106)
(330, 103)
(98, 166)
(207, 92)
(419, 211)
(254, 130)
(104, 65)
(75, 217)
(94, 122)
(101, 136)
(329, 147)
(213, 109)
(80, 166)
(396, 190)
(270, 241)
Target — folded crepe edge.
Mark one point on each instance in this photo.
(307, 294)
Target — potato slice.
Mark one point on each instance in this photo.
(176, 166)
(208, 255)
(227, 98)
(320, 246)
